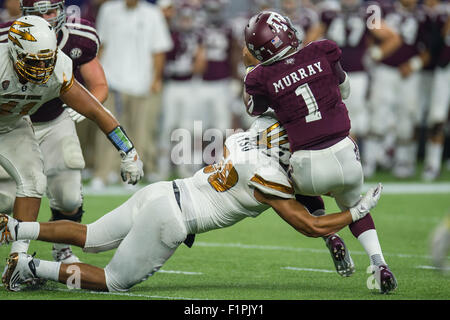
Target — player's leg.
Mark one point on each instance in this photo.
(405, 156)
(63, 162)
(106, 164)
(342, 259)
(151, 216)
(21, 158)
(357, 106)
(381, 105)
(363, 229)
(440, 100)
(7, 192)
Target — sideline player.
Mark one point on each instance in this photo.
(147, 228)
(54, 129)
(305, 87)
(33, 71)
(349, 26)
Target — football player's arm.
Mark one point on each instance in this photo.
(94, 79)
(200, 61)
(254, 104)
(344, 80)
(389, 42)
(83, 102)
(159, 60)
(295, 214)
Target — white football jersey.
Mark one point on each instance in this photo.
(18, 100)
(222, 194)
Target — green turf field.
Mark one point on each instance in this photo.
(265, 259)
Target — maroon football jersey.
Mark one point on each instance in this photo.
(303, 90)
(349, 30)
(217, 41)
(77, 40)
(180, 59)
(411, 26)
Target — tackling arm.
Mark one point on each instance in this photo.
(301, 220)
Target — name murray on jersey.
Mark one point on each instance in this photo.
(297, 76)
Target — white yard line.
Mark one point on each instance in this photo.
(431, 268)
(123, 294)
(283, 248)
(189, 273)
(309, 269)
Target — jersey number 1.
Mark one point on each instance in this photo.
(313, 108)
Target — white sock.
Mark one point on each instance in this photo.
(28, 230)
(20, 246)
(370, 243)
(47, 269)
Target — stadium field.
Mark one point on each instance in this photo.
(265, 259)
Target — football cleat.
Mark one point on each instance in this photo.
(343, 262)
(64, 255)
(8, 229)
(384, 278)
(20, 269)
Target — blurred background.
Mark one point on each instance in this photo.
(202, 77)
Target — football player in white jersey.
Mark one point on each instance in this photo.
(53, 126)
(33, 70)
(147, 228)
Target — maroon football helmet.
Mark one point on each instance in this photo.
(41, 7)
(269, 36)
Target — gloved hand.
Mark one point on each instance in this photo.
(76, 117)
(131, 167)
(368, 202)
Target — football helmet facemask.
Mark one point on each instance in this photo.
(33, 48)
(269, 36)
(271, 136)
(41, 7)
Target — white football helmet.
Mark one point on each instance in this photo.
(33, 48)
(271, 136)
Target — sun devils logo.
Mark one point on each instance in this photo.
(277, 21)
(24, 35)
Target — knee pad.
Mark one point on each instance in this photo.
(72, 154)
(64, 191)
(6, 202)
(58, 215)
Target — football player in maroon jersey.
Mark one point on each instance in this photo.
(305, 87)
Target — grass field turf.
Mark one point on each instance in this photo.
(265, 259)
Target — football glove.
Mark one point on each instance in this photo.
(131, 167)
(368, 202)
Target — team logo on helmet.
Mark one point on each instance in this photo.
(23, 34)
(278, 22)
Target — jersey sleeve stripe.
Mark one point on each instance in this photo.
(67, 84)
(272, 185)
(80, 26)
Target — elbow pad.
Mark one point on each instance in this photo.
(344, 87)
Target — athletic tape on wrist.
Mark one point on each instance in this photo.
(119, 139)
